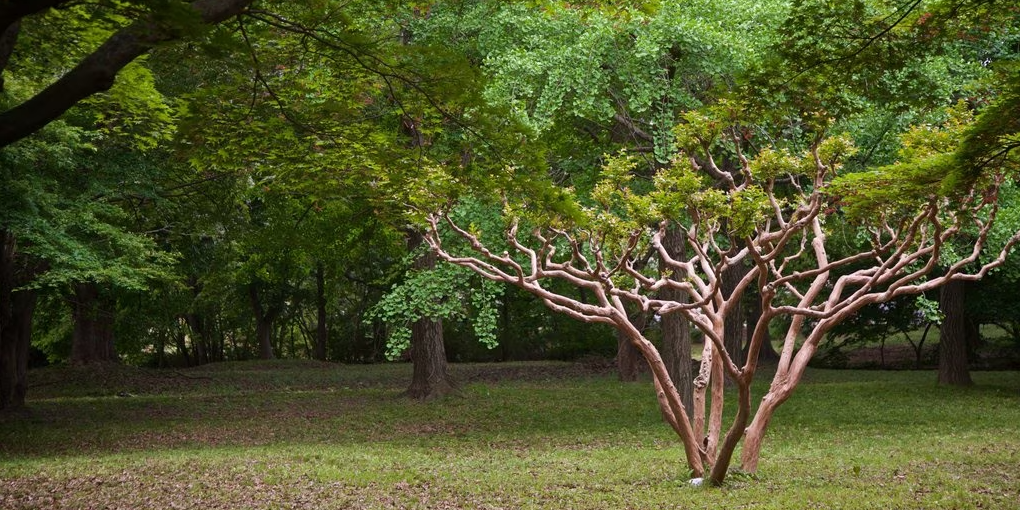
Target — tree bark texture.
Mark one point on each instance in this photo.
(93, 315)
(676, 332)
(97, 71)
(953, 363)
(628, 357)
(430, 377)
(734, 328)
(676, 354)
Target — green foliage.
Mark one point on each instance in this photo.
(446, 292)
(134, 109)
(771, 164)
(60, 197)
(566, 64)
(923, 170)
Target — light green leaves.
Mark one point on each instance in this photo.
(446, 292)
(772, 164)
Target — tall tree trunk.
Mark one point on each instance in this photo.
(628, 358)
(264, 336)
(676, 332)
(264, 317)
(734, 332)
(181, 342)
(92, 339)
(16, 309)
(200, 337)
(321, 331)
(767, 352)
(953, 369)
(15, 347)
(430, 377)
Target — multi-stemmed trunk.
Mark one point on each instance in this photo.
(708, 451)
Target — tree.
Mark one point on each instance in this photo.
(768, 218)
(96, 71)
(953, 366)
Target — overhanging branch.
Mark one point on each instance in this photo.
(97, 72)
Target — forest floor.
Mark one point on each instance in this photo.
(300, 434)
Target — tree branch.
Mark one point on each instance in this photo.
(97, 72)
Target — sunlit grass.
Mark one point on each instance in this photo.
(323, 436)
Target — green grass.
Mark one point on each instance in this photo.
(309, 435)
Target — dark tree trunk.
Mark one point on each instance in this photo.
(767, 352)
(200, 338)
(15, 339)
(628, 358)
(953, 369)
(15, 345)
(264, 319)
(264, 336)
(16, 311)
(8, 341)
(431, 377)
(92, 339)
(676, 332)
(734, 333)
(321, 331)
(180, 341)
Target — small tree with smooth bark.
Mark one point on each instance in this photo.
(762, 217)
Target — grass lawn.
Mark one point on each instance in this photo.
(309, 435)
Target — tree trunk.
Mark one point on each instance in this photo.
(200, 338)
(767, 352)
(92, 339)
(953, 368)
(264, 336)
(180, 341)
(321, 331)
(734, 332)
(97, 71)
(676, 354)
(264, 318)
(676, 332)
(431, 377)
(628, 357)
(16, 309)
